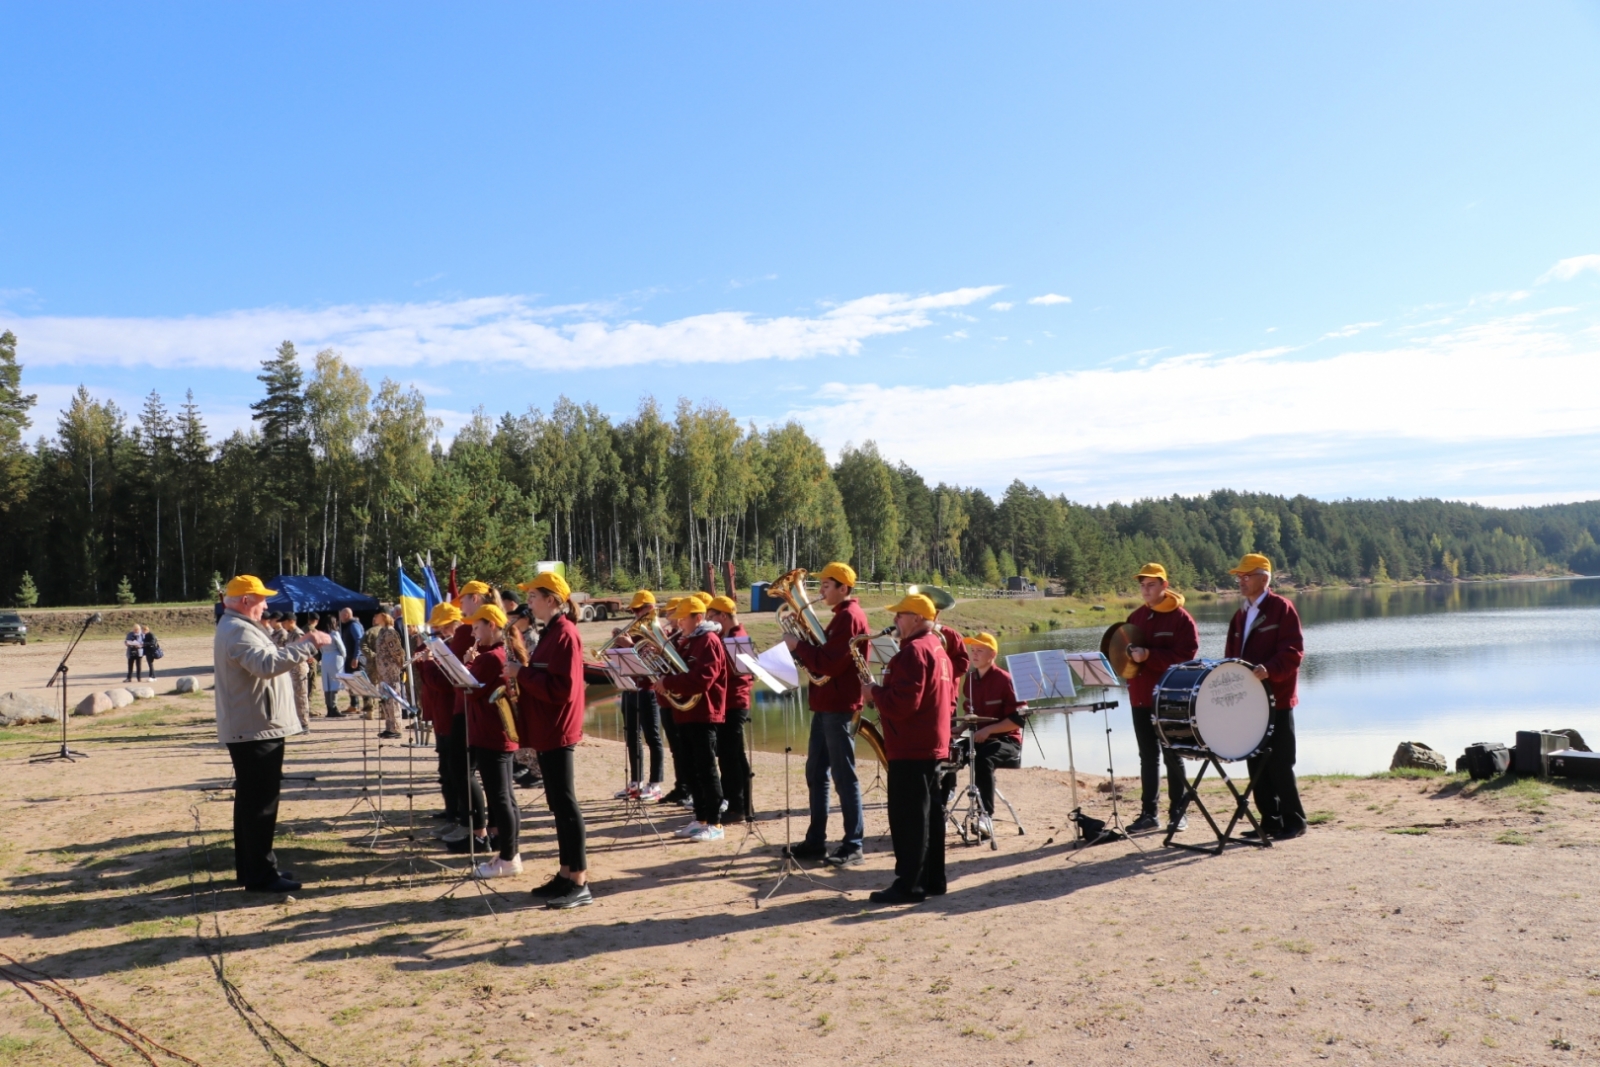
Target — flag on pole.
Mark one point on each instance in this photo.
(413, 602)
(430, 585)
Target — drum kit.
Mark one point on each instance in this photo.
(965, 809)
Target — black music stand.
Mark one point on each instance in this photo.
(71, 755)
(789, 865)
(410, 856)
(1241, 802)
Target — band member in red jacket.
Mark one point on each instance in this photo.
(1265, 631)
(990, 693)
(832, 749)
(492, 749)
(1170, 636)
(731, 755)
(458, 780)
(914, 710)
(698, 701)
(550, 709)
(438, 700)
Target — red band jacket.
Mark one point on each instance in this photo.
(550, 689)
(1171, 637)
(737, 685)
(483, 718)
(831, 660)
(1274, 642)
(915, 700)
(702, 652)
(993, 696)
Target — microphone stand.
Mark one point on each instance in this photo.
(69, 754)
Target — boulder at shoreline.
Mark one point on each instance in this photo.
(19, 708)
(94, 704)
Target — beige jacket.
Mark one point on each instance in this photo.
(254, 686)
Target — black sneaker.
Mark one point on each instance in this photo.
(466, 845)
(845, 856)
(677, 796)
(555, 887)
(805, 850)
(895, 895)
(279, 884)
(388, 735)
(576, 896)
(1144, 823)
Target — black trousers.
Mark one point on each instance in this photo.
(699, 742)
(459, 780)
(451, 801)
(1151, 756)
(258, 774)
(1277, 792)
(561, 793)
(135, 661)
(682, 778)
(916, 825)
(495, 769)
(734, 762)
(641, 716)
(1005, 750)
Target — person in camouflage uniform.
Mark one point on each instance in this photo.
(289, 631)
(385, 657)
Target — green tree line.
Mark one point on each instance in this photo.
(337, 477)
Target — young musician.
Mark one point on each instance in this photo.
(731, 755)
(550, 704)
(989, 692)
(491, 748)
(438, 700)
(914, 710)
(682, 777)
(832, 750)
(1170, 637)
(1265, 631)
(470, 801)
(641, 716)
(698, 702)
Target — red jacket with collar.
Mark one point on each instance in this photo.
(915, 700)
(994, 696)
(483, 718)
(459, 642)
(703, 653)
(737, 685)
(1274, 642)
(437, 695)
(955, 646)
(1171, 637)
(550, 689)
(831, 660)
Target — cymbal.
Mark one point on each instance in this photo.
(1119, 637)
(942, 599)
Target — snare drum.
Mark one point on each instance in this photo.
(1216, 708)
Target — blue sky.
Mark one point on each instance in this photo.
(1115, 250)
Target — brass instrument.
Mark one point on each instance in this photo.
(504, 698)
(860, 727)
(795, 615)
(654, 649)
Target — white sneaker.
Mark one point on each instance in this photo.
(693, 828)
(707, 833)
(985, 826)
(499, 868)
(650, 792)
(624, 794)
(724, 809)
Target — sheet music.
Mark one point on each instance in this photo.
(626, 662)
(358, 684)
(882, 649)
(738, 647)
(455, 671)
(1041, 676)
(1093, 670)
(752, 666)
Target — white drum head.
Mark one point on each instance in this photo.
(1231, 711)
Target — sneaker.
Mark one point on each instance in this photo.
(845, 856)
(464, 844)
(677, 796)
(895, 895)
(687, 802)
(624, 794)
(650, 792)
(278, 884)
(1177, 825)
(724, 809)
(1144, 823)
(388, 735)
(707, 833)
(499, 868)
(985, 827)
(448, 831)
(576, 896)
(555, 887)
(807, 851)
(689, 830)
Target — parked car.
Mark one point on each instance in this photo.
(12, 628)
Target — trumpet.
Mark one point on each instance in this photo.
(795, 615)
(504, 698)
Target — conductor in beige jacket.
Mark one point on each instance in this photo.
(255, 712)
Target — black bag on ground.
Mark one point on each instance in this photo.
(1487, 759)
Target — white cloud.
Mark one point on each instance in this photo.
(1350, 330)
(1001, 305)
(487, 329)
(1567, 269)
(1050, 298)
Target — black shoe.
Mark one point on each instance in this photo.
(555, 887)
(1144, 823)
(334, 715)
(281, 874)
(466, 845)
(805, 850)
(388, 735)
(1177, 824)
(279, 884)
(677, 796)
(845, 856)
(1289, 834)
(937, 890)
(444, 816)
(576, 896)
(895, 895)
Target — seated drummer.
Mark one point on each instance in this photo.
(1170, 637)
(990, 694)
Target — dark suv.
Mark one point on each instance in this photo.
(12, 628)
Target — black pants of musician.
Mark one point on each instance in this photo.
(682, 777)
(459, 779)
(916, 825)
(734, 762)
(699, 742)
(641, 725)
(1002, 751)
(258, 774)
(452, 802)
(1151, 757)
(495, 768)
(561, 793)
(1277, 793)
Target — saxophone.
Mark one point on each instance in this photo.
(504, 698)
(860, 727)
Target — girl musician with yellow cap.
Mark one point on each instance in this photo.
(731, 756)
(438, 699)
(1170, 636)
(550, 700)
(492, 749)
(459, 780)
(697, 698)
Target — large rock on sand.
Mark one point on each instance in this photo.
(1417, 756)
(21, 708)
(188, 684)
(120, 698)
(94, 704)
(142, 692)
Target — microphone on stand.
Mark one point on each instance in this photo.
(94, 618)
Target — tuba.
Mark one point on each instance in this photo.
(504, 698)
(654, 649)
(795, 615)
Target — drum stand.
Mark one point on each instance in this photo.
(970, 824)
(790, 865)
(1241, 802)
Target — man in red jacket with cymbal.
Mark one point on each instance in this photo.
(1170, 636)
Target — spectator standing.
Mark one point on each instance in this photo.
(133, 644)
(333, 660)
(351, 633)
(152, 652)
(385, 656)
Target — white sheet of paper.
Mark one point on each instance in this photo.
(777, 662)
(752, 666)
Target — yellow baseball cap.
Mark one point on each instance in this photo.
(916, 604)
(689, 605)
(842, 573)
(644, 598)
(723, 604)
(246, 585)
(444, 615)
(475, 589)
(489, 613)
(549, 581)
(1252, 562)
(987, 640)
(1152, 570)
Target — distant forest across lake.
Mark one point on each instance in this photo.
(337, 478)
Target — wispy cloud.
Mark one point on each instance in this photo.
(1350, 330)
(1567, 269)
(1001, 305)
(572, 337)
(1050, 298)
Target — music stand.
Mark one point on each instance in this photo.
(746, 663)
(71, 755)
(409, 854)
(357, 684)
(631, 674)
(789, 865)
(457, 674)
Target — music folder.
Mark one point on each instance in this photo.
(455, 671)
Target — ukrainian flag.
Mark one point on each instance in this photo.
(413, 602)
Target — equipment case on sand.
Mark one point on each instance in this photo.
(1570, 763)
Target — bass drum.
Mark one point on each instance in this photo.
(1215, 708)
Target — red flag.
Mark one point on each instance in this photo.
(453, 592)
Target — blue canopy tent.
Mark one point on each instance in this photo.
(315, 594)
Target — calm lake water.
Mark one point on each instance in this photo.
(1445, 665)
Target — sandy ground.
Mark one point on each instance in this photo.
(1422, 921)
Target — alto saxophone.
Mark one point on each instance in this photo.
(504, 698)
